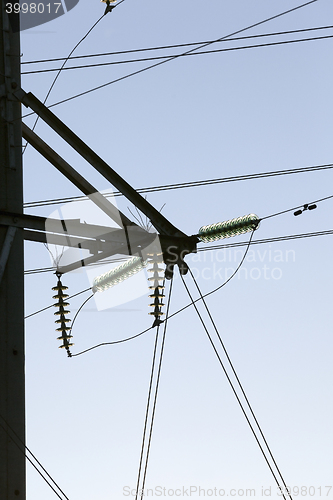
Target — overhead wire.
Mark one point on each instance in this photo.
(295, 208)
(238, 380)
(192, 301)
(267, 240)
(179, 45)
(259, 23)
(59, 71)
(154, 58)
(173, 314)
(52, 305)
(156, 391)
(233, 388)
(62, 67)
(17, 439)
(183, 185)
(147, 412)
(219, 247)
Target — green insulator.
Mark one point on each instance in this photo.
(118, 274)
(228, 228)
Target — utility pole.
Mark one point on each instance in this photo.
(12, 378)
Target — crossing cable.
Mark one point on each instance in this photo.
(267, 240)
(130, 338)
(62, 67)
(156, 392)
(219, 247)
(154, 58)
(182, 54)
(34, 457)
(52, 305)
(207, 182)
(77, 312)
(147, 411)
(215, 247)
(163, 47)
(59, 71)
(234, 390)
(173, 314)
(238, 381)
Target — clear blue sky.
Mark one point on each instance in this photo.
(195, 118)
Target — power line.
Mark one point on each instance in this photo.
(53, 269)
(147, 411)
(234, 389)
(154, 58)
(59, 71)
(52, 305)
(175, 313)
(114, 342)
(163, 47)
(179, 55)
(238, 380)
(295, 208)
(215, 247)
(268, 240)
(167, 187)
(219, 247)
(62, 67)
(5, 428)
(156, 392)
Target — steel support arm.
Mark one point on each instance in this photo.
(73, 233)
(77, 179)
(100, 249)
(162, 225)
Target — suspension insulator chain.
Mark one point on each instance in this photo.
(158, 287)
(62, 321)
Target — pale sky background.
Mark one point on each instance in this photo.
(195, 118)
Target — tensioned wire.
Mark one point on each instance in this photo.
(322, 233)
(175, 313)
(259, 23)
(312, 1)
(230, 245)
(17, 439)
(163, 47)
(156, 392)
(182, 185)
(209, 248)
(237, 396)
(154, 58)
(62, 67)
(147, 411)
(237, 378)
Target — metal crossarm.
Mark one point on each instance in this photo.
(162, 225)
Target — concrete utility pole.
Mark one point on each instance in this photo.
(12, 380)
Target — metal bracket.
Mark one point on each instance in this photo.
(6, 249)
